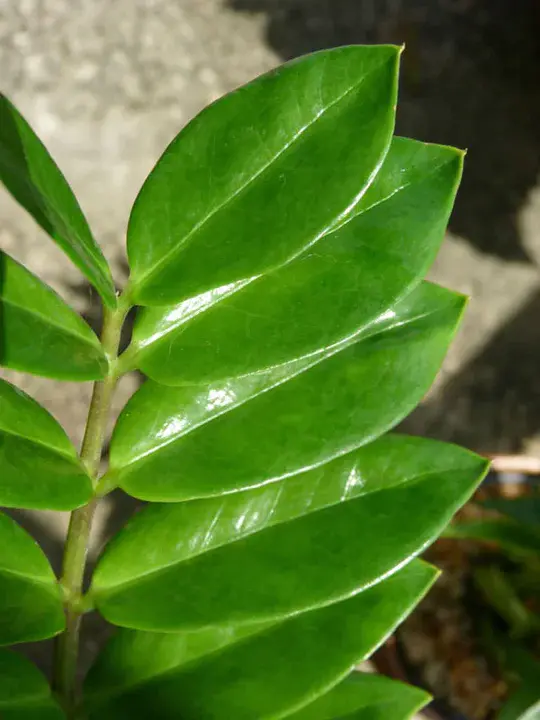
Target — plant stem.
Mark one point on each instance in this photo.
(76, 548)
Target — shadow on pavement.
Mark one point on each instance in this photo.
(493, 404)
(470, 78)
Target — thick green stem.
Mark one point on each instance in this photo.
(76, 549)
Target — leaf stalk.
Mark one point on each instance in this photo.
(76, 549)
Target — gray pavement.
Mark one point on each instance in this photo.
(108, 84)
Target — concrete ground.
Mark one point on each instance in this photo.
(107, 85)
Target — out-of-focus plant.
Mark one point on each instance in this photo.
(507, 582)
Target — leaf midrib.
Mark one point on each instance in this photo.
(91, 254)
(47, 583)
(70, 454)
(26, 702)
(92, 342)
(117, 691)
(272, 624)
(409, 481)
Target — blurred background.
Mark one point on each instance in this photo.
(107, 85)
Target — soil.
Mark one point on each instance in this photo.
(441, 640)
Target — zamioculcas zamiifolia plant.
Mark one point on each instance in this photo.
(277, 254)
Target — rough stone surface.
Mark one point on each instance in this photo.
(107, 85)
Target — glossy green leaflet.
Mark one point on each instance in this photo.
(277, 254)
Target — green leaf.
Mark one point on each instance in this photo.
(39, 467)
(30, 598)
(35, 181)
(523, 703)
(523, 670)
(522, 509)
(385, 245)
(499, 591)
(180, 531)
(260, 428)
(532, 713)
(366, 696)
(240, 189)
(132, 657)
(40, 333)
(265, 675)
(24, 692)
(302, 542)
(508, 534)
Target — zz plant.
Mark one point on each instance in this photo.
(276, 257)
